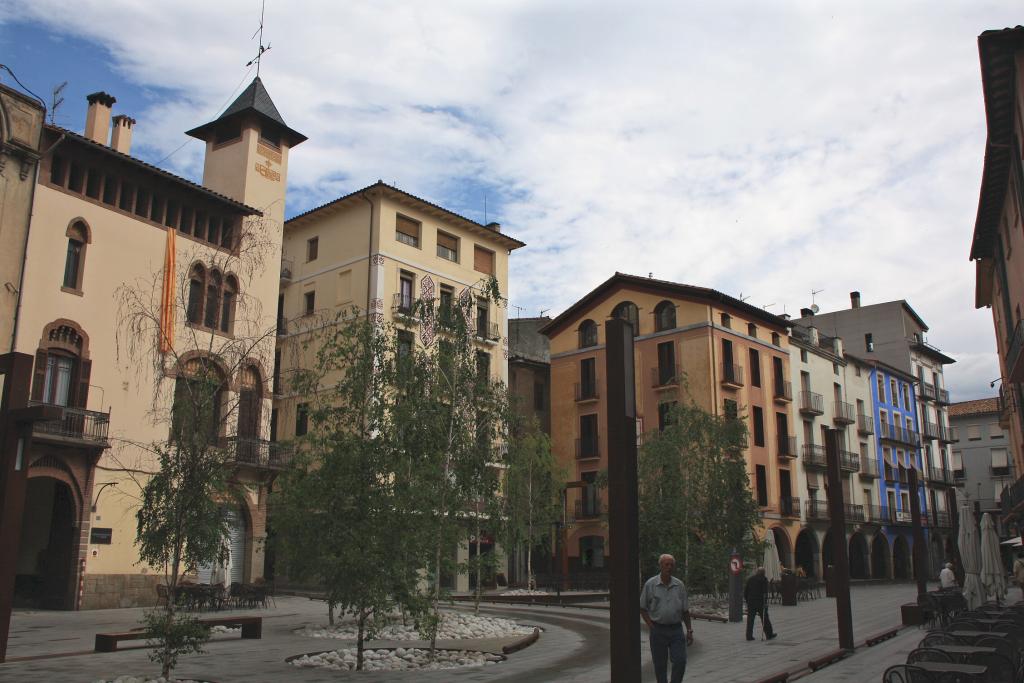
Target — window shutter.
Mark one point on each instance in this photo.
(407, 227)
(999, 457)
(483, 260)
(84, 371)
(39, 376)
(447, 241)
(958, 463)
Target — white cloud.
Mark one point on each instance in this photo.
(759, 149)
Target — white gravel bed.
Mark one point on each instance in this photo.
(215, 630)
(710, 605)
(454, 626)
(399, 659)
(525, 591)
(145, 679)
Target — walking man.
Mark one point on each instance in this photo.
(756, 594)
(664, 606)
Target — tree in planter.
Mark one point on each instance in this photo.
(346, 516)
(191, 332)
(531, 503)
(695, 499)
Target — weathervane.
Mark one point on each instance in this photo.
(256, 60)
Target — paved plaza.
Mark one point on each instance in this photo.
(57, 646)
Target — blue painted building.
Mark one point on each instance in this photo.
(898, 444)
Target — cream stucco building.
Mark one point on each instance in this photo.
(111, 238)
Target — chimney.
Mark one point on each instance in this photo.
(854, 299)
(121, 138)
(806, 313)
(97, 118)
(496, 227)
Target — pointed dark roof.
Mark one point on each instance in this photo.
(254, 100)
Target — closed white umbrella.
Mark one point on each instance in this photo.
(992, 577)
(970, 555)
(771, 558)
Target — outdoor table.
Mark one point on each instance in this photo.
(974, 635)
(961, 652)
(976, 671)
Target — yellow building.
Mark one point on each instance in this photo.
(110, 237)
(383, 250)
(735, 358)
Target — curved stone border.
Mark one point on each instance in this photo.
(288, 660)
(523, 643)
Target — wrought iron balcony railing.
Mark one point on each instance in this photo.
(287, 266)
(811, 403)
(732, 375)
(854, 513)
(843, 413)
(865, 424)
(817, 509)
(868, 468)
(814, 455)
(783, 390)
(942, 396)
(1012, 496)
(786, 446)
(926, 391)
(931, 430)
(877, 514)
(789, 507)
(589, 509)
(903, 518)
(899, 434)
(259, 453)
(74, 426)
(937, 475)
(849, 461)
(487, 330)
(947, 434)
(941, 520)
(406, 305)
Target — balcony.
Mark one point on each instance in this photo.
(789, 507)
(1007, 406)
(259, 453)
(786, 446)
(937, 475)
(75, 427)
(854, 514)
(817, 510)
(732, 375)
(926, 392)
(811, 403)
(865, 424)
(783, 391)
(868, 468)
(589, 509)
(947, 434)
(931, 430)
(891, 432)
(664, 378)
(942, 396)
(407, 306)
(1012, 497)
(287, 265)
(586, 392)
(941, 520)
(588, 448)
(876, 514)
(849, 461)
(843, 413)
(487, 331)
(814, 455)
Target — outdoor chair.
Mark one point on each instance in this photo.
(906, 673)
(1000, 669)
(940, 638)
(930, 610)
(927, 654)
(235, 594)
(1003, 647)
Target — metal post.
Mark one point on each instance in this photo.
(15, 442)
(735, 587)
(840, 562)
(920, 553)
(623, 515)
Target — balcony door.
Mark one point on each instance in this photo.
(249, 406)
(786, 493)
(57, 385)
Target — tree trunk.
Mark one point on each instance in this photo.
(330, 612)
(360, 635)
(479, 565)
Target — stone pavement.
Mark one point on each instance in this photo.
(573, 647)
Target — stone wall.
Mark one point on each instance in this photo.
(106, 591)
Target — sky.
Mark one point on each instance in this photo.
(767, 150)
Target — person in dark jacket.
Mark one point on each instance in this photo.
(756, 595)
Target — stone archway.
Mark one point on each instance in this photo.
(902, 568)
(47, 556)
(858, 557)
(782, 543)
(807, 552)
(880, 557)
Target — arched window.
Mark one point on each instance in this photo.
(213, 288)
(227, 304)
(588, 334)
(198, 398)
(62, 368)
(74, 261)
(196, 284)
(664, 316)
(627, 311)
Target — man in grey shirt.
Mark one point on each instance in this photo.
(663, 606)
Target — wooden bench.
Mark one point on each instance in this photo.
(879, 637)
(822, 662)
(252, 627)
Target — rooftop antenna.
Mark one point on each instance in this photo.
(767, 306)
(56, 101)
(256, 60)
(814, 306)
(743, 298)
(543, 311)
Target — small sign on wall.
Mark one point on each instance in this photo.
(100, 536)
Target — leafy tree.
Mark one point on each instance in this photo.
(531, 503)
(695, 497)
